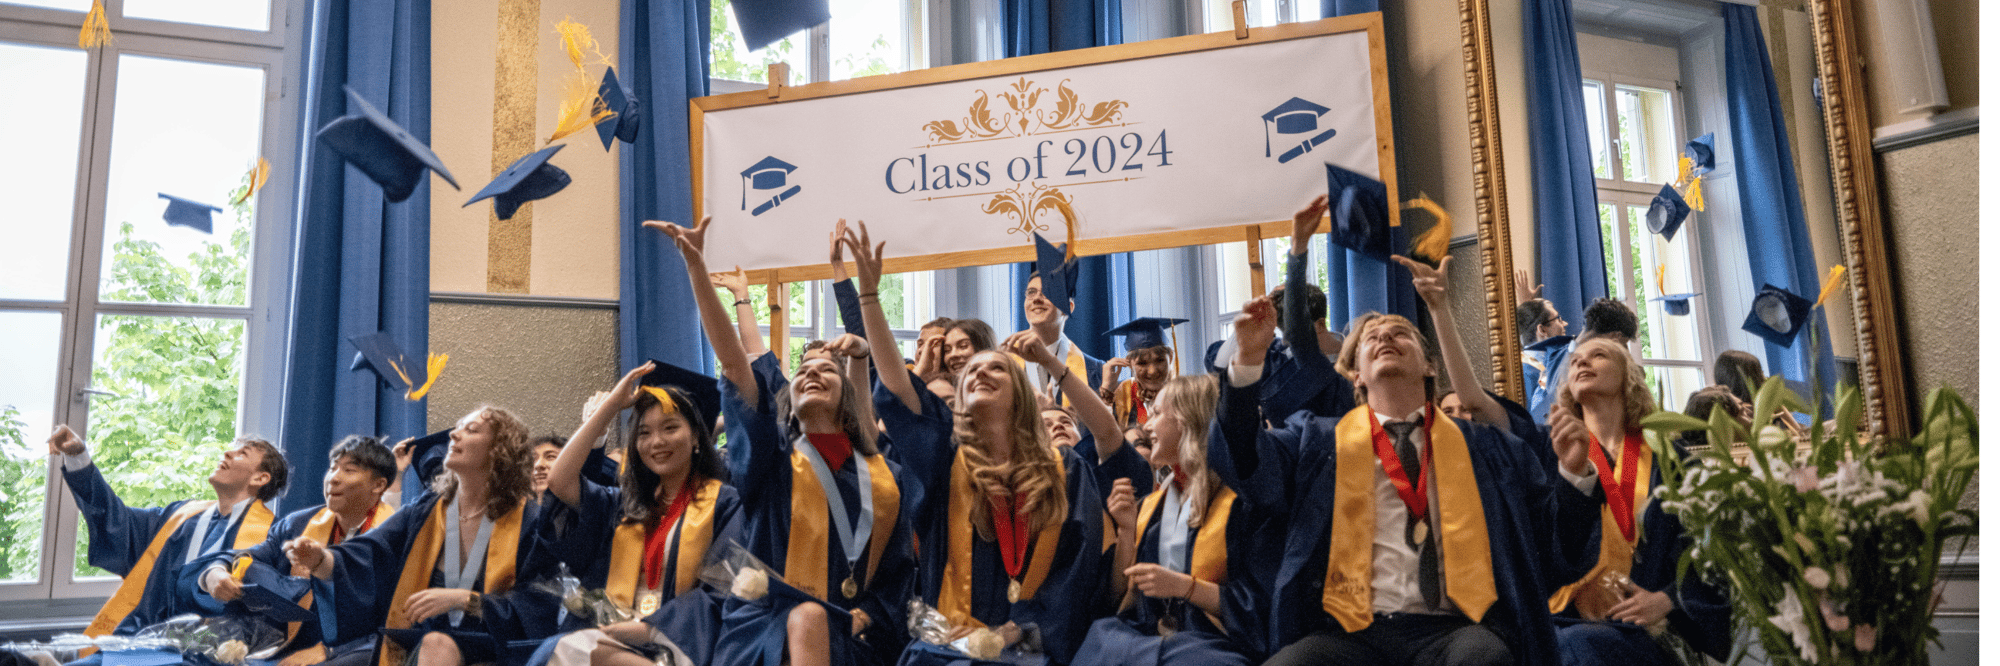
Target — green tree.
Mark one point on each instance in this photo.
(723, 43)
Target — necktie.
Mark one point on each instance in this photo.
(1404, 434)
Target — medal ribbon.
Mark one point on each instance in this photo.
(653, 564)
(1012, 530)
(853, 535)
(1620, 493)
(1138, 406)
(458, 575)
(340, 535)
(1414, 495)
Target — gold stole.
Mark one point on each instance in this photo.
(955, 597)
(256, 523)
(1073, 361)
(1208, 557)
(1614, 555)
(1466, 556)
(422, 560)
(628, 548)
(811, 518)
(320, 529)
(1122, 405)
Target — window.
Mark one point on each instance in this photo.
(1635, 149)
(139, 334)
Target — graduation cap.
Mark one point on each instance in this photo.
(1360, 208)
(1676, 304)
(1701, 154)
(768, 175)
(191, 214)
(1057, 272)
(427, 458)
(1145, 332)
(620, 100)
(762, 22)
(701, 388)
(527, 179)
(379, 352)
(1667, 213)
(1549, 343)
(1295, 116)
(271, 593)
(382, 150)
(1777, 315)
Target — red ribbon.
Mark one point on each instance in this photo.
(653, 566)
(340, 535)
(1138, 406)
(833, 448)
(1012, 530)
(1414, 496)
(1620, 494)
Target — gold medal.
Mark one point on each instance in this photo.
(649, 602)
(1013, 591)
(1421, 533)
(848, 588)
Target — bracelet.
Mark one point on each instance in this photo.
(1189, 596)
(868, 294)
(1065, 375)
(743, 301)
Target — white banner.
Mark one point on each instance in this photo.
(1222, 137)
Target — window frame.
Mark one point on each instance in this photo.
(266, 311)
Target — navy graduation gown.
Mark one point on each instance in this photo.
(1126, 463)
(1542, 532)
(368, 567)
(759, 457)
(1076, 586)
(271, 552)
(1132, 638)
(119, 535)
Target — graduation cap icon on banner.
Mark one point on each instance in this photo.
(767, 177)
(191, 214)
(527, 179)
(1667, 213)
(1145, 332)
(1777, 315)
(379, 352)
(382, 150)
(1295, 117)
(1360, 207)
(272, 594)
(618, 99)
(1057, 271)
(700, 388)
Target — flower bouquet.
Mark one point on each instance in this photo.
(1009, 643)
(1830, 546)
(211, 641)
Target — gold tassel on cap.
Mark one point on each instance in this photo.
(581, 106)
(96, 31)
(433, 368)
(1833, 278)
(1693, 195)
(258, 175)
(1436, 243)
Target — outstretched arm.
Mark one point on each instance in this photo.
(714, 322)
(1090, 409)
(1430, 284)
(882, 344)
(738, 285)
(565, 479)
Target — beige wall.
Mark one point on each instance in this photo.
(574, 240)
(1957, 26)
(541, 363)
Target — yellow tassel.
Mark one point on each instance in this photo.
(1436, 243)
(1660, 279)
(433, 368)
(1686, 167)
(577, 43)
(1834, 276)
(581, 107)
(96, 31)
(258, 174)
(660, 394)
(1693, 196)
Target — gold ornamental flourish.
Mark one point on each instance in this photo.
(1024, 115)
(1026, 203)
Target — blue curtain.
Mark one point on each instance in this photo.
(1773, 214)
(1569, 250)
(1103, 291)
(1358, 284)
(663, 51)
(363, 264)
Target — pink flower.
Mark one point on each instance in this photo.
(1864, 637)
(1805, 478)
(1834, 620)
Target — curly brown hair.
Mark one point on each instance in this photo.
(1032, 468)
(510, 478)
(1638, 399)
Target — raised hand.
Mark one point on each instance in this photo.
(867, 257)
(404, 450)
(1027, 345)
(1305, 223)
(1571, 441)
(1429, 282)
(1522, 292)
(836, 251)
(66, 442)
(1112, 369)
(690, 240)
(848, 345)
(1123, 505)
(738, 282)
(1256, 327)
(626, 393)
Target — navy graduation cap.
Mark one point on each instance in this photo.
(1145, 332)
(191, 214)
(1058, 274)
(1777, 315)
(699, 387)
(1701, 151)
(620, 100)
(272, 594)
(768, 176)
(1667, 213)
(380, 353)
(1360, 208)
(382, 150)
(765, 21)
(1675, 304)
(527, 179)
(1295, 116)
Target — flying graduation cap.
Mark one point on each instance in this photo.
(1700, 154)
(1667, 213)
(382, 150)
(527, 179)
(768, 176)
(1295, 117)
(1675, 304)
(699, 387)
(1360, 207)
(271, 593)
(1057, 271)
(379, 352)
(1145, 332)
(1777, 315)
(191, 214)
(619, 100)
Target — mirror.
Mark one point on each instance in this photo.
(1654, 77)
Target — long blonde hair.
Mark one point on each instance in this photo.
(1638, 398)
(1032, 468)
(1192, 398)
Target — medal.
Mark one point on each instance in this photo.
(1013, 591)
(649, 602)
(848, 588)
(1420, 533)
